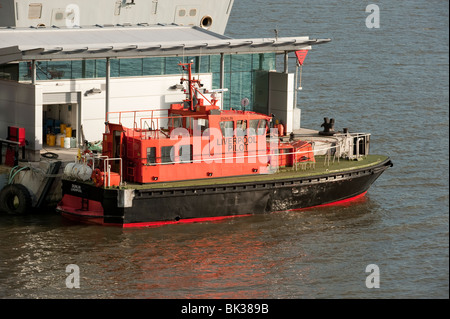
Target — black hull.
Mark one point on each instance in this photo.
(151, 207)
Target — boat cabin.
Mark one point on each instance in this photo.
(195, 140)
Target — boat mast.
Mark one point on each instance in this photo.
(190, 100)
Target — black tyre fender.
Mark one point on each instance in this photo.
(15, 199)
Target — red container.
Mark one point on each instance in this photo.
(16, 134)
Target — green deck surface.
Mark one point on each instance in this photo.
(319, 168)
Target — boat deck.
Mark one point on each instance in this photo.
(323, 165)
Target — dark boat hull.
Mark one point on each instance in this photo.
(159, 206)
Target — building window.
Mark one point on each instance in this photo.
(9, 71)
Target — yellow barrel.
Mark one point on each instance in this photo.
(51, 139)
(68, 131)
(62, 141)
(62, 128)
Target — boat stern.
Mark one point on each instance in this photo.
(86, 203)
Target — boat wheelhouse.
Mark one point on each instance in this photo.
(195, 140)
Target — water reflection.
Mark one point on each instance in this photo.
(208, 261)
(266, 256)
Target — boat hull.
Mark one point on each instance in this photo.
(142, 207)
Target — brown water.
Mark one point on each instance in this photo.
(392, 82)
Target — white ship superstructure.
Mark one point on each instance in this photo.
(208, 14)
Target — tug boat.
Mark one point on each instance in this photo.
(195, 162)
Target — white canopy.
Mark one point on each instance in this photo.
(133, 41)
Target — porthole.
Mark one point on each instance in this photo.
(206, 22)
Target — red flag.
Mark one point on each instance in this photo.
(301, 55)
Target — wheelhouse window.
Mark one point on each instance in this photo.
(167, 154)
(227, 128)
(176, 121)
(257, 127)
(151, 155)
(185, 153)
(201, 124)
(241, 128)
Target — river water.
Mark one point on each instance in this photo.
(391, 81)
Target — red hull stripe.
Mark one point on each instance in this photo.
(337, 203)
(344, 201)
(181, 221)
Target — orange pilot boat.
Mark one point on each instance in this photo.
(196, 162)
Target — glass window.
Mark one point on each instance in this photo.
(88, 68)
(253, 127)
(151, 155)
(176, 121)
(58, 70)
(188, 122)
(130, 67)
(185, 153)
(264, 61)
(24, 71)
(215, 63)
(241, 87)
(241, 128)
(226, 128)
(201, 64)
(152, 66)
(200, 124)
(262, 127)
(167, 154)
(9, 71)
(172, 66)
(257, 127)
(77, 69)
(114, 67)
(241, 62)
(100, 68)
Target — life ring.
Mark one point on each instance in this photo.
(97, 177)
(15, 199)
